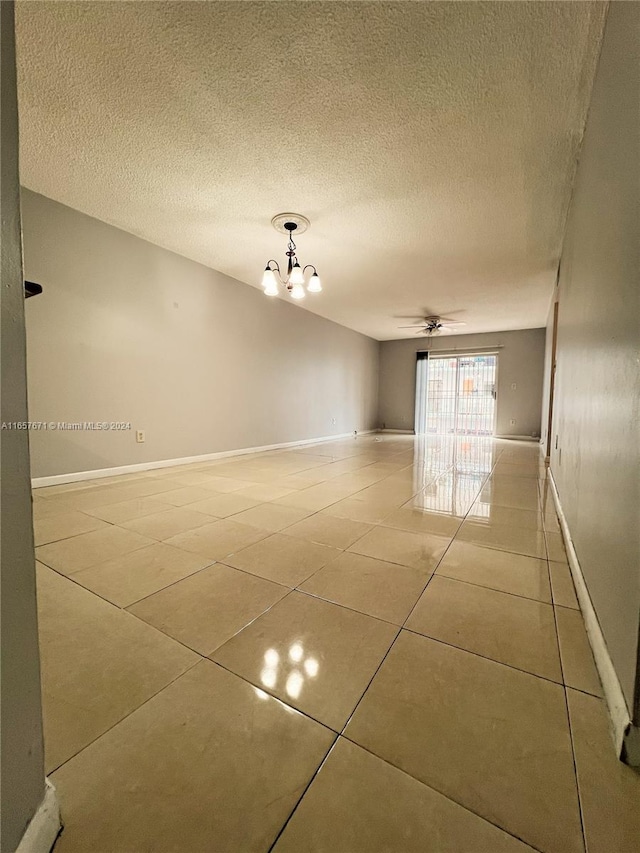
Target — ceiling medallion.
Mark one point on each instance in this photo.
(294, 283)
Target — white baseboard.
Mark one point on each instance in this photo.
(398, 431)
(99, 473)
(45, 825)
(614, 697)
(520, 437)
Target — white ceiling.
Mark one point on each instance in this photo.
(432, 145)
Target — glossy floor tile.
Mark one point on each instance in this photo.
(400, 606)
(508, 756)
(329, 530)
(361, 511)
(270, 516)
(186, 495)
(283, 559)
(419, 550)
(124, 580)
(219, 539)
(511, 492)
(163, 525)
(98, 664)
(53, 528)
(314, 655)
(564, 593)
(385, 590)
(413, 518)
(233, 764)
(128, 510)
(609, 790)
(555, 547)
(503, 537)
(81, 552)
(510, 629)
(266, 491)
(361, 804)
(578, 665)
(501, 570)
(506, 515)
(222, 506)
(207, 608)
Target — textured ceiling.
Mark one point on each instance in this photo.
(432, 145)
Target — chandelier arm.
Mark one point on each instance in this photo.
(307, 267)
(283, 281)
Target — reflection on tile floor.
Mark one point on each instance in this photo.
(366, 645)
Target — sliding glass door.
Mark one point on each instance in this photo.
(456, 394)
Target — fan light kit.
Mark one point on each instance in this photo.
(435, 326)
(294, 283)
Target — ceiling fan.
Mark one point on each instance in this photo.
(435, 326)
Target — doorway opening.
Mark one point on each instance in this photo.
(456, 394)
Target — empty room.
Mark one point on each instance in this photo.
(320, 426)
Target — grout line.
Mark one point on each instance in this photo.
(124, 609)
(494, 589)
(369, 683)
(128, 714)
(431, 787)
(484, 657)
(224, 642)
(344, 606)
(269, 692)
(302, 795)
(569, 725)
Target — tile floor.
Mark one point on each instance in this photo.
(360, 646)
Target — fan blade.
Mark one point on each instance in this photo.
(448, 322)
(420, 326)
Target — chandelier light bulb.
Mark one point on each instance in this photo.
(315, 285)
(296, 276)
(297, 291)
(269, 282)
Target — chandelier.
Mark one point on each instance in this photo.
(294, 283)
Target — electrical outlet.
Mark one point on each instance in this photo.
(333, 421)
(513, 386)
(140, 436)
(512, 421)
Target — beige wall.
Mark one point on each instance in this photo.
(23, 784)
(596, 408)
(520, 362)
(127, 331)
